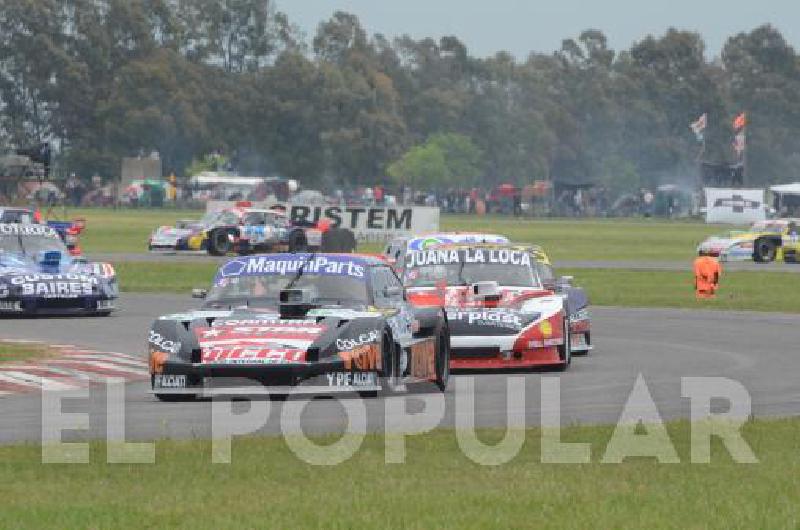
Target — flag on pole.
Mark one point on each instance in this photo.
(699, 126)
(740, 122)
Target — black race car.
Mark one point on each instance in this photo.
(288, 323)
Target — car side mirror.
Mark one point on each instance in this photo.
(566, 281)
(199, 293)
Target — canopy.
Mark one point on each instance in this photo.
(786, 189)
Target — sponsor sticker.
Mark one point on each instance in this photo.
(500, 319)
(352, 379)
(503, 256)
(169, 381)
(282, 265)
(369, 337)
(27, 230)
(158, 340)
(252, 355)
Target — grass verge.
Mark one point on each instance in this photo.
(596, 239)
(127, 230)
(160, 277)
(12, 352)
(268, 486)
(745, 291)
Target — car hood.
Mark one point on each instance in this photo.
(261, 337)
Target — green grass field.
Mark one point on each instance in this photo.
(127, 230)
(11, 352)
(267, 486)
(746, 291)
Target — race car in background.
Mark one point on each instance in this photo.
(396, 249)
(38, 276)
(69, 231)
(287, 323)
(763, 242)
(240, 229)
(500, 313)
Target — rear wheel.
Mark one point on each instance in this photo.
(219, 243)
(297, 241)
(764, 250)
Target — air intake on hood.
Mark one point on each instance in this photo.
(295, 303)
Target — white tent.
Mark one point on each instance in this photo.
(786, 189)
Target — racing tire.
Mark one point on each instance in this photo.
(298, 242)
(219, 244)
(390, 357)
(102, 313)
(764, 250)
(565, 350)
(339, 240)
(442, 358)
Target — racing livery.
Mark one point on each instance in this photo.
(286, 323)
(38, 276)
(500, 313)
(580, 323)
(67, 230)
(240, 229)
(763, 242)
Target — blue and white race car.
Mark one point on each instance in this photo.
(39, 277)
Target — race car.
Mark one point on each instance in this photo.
(396, 249)
(240, 229)
(500, 314)
(763, 242)
(580, 323)
(68, 230)
(307, 323)
(38, 276)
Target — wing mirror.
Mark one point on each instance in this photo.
(566, 281)
(199, 293)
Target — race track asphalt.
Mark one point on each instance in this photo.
(644, 265)
(759, 350)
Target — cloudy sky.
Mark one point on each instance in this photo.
(520, 26)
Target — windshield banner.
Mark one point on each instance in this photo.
(289, 264)
(27, 230)
(502, 256)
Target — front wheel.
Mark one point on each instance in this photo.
(442, 358)
(219, 243)
(565, 350)
(764, 250)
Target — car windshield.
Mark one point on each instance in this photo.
(266, 289)
(507, 268)
(31, 245)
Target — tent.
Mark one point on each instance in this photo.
(786, 199)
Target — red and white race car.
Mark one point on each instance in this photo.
(499, 312)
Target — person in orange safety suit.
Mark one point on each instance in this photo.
(707, 272)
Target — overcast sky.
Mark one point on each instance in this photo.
(521, 26)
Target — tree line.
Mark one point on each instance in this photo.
(103, 79)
